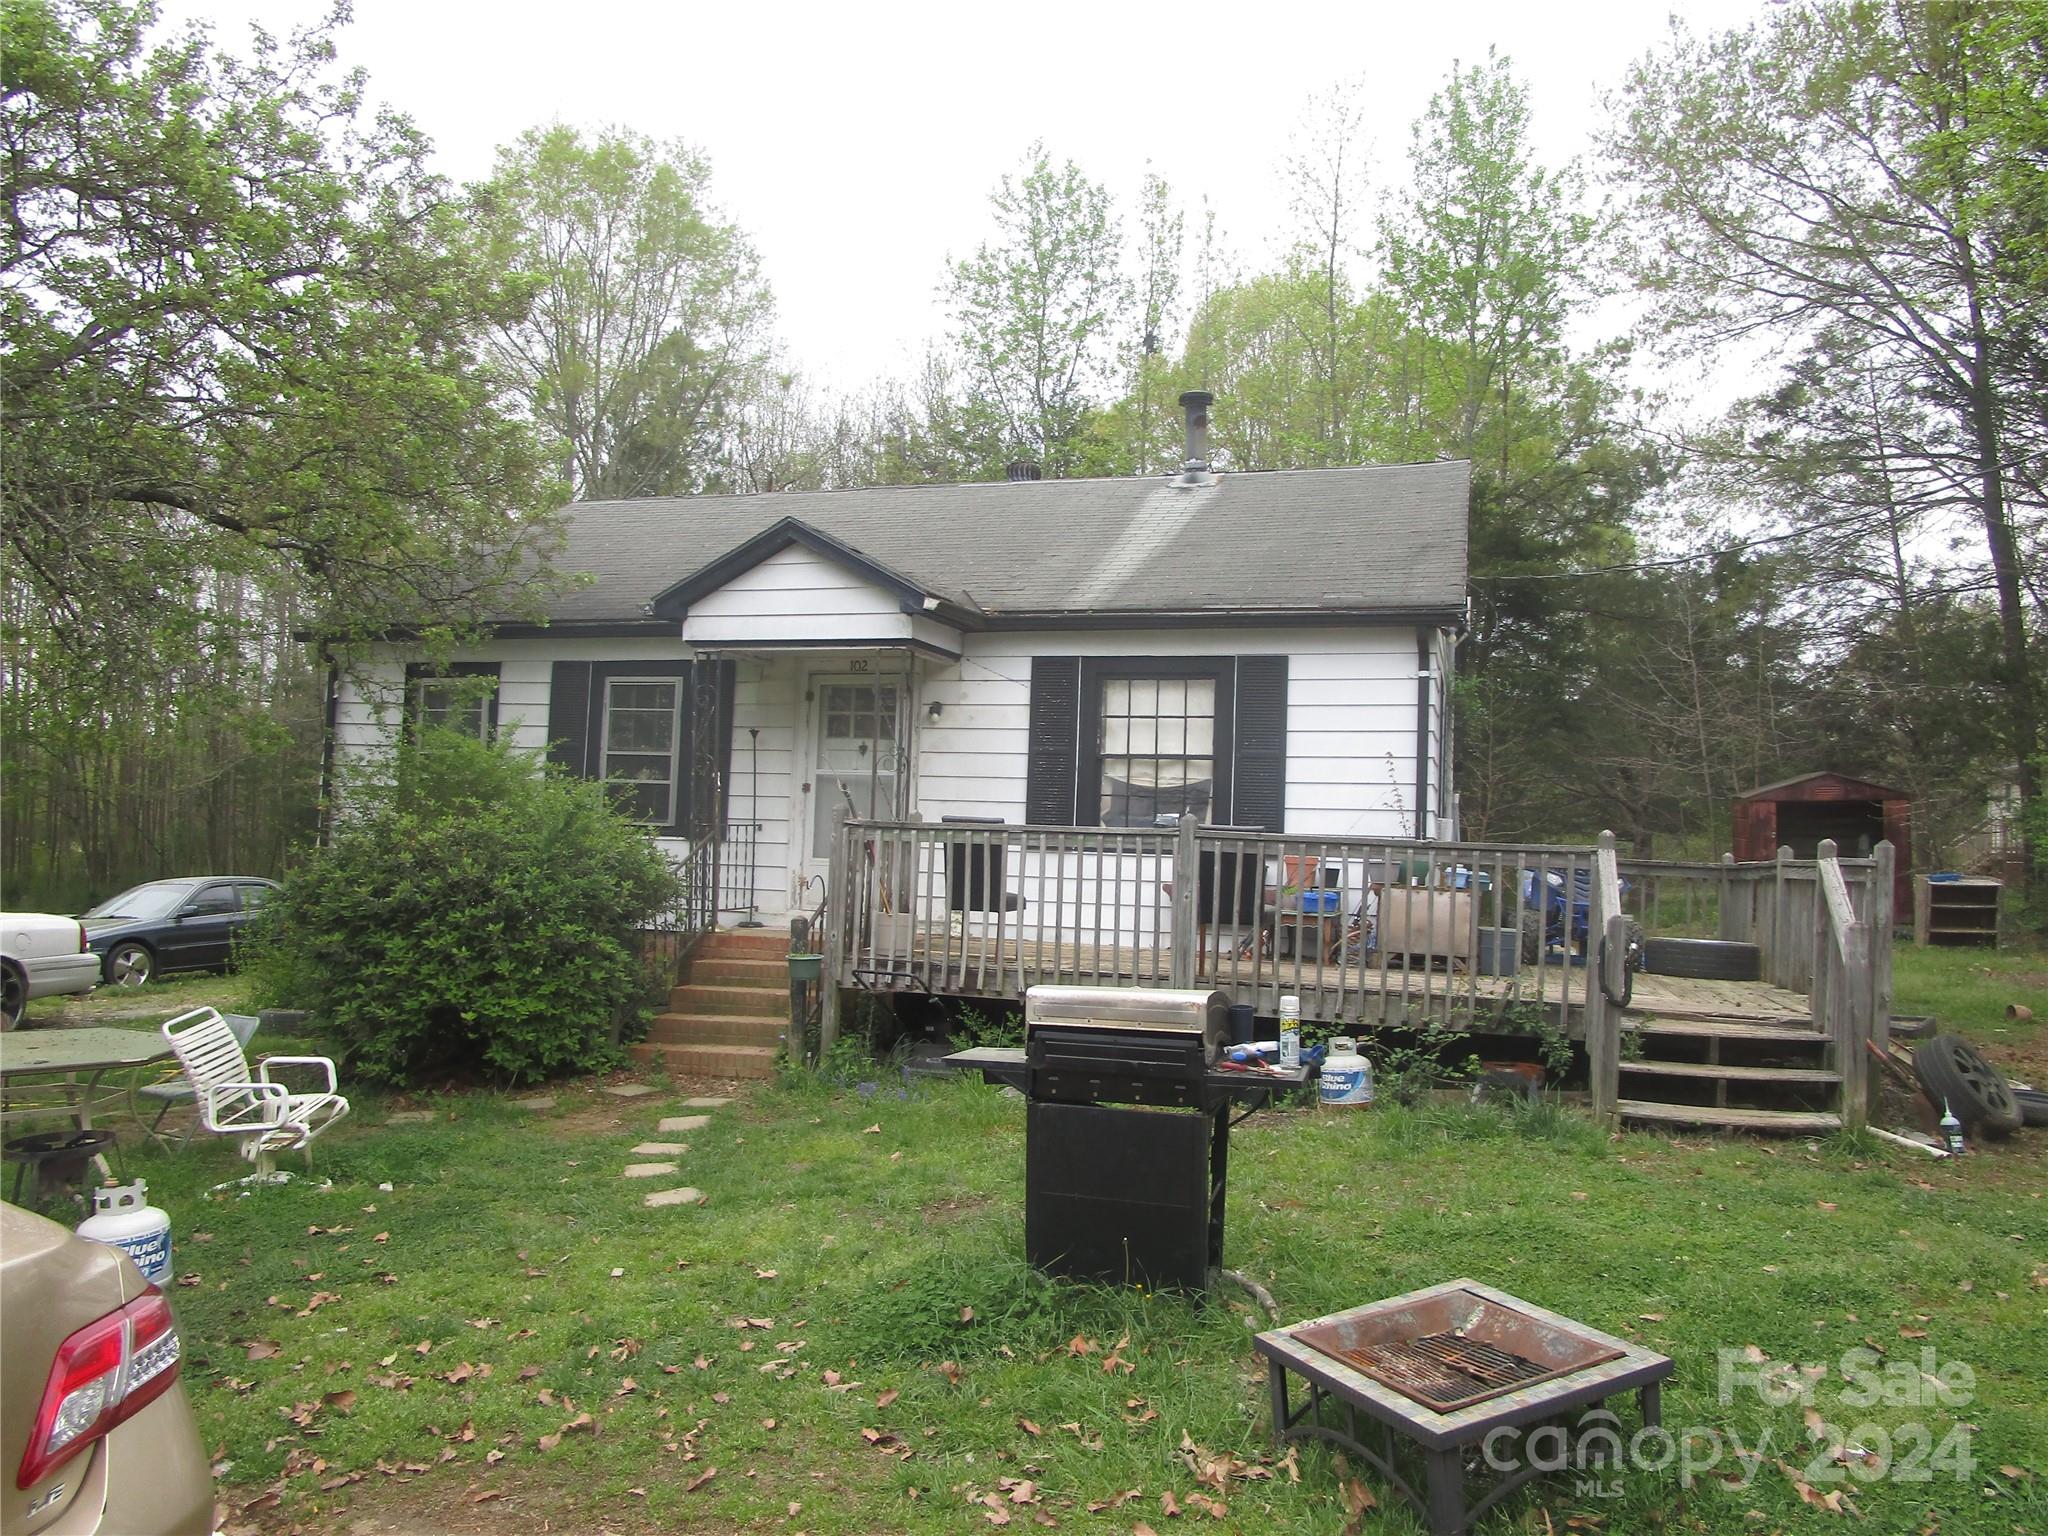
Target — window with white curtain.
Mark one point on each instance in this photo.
(1158, 749)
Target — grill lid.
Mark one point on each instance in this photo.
(1129, 1010)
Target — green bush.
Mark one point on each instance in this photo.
(474, 912)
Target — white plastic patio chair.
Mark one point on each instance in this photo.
(174, 1093)
(265, 1115)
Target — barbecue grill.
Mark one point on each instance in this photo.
(1127, 1132)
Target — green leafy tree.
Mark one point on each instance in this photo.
(242, 398)
(647, 330)
(241, 327)
(1856, 174)
(1035, 314)
(1484, 258)
(474, 911)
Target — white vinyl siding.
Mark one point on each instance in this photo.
(1351, 720)
(799, 595)
(1351, 724)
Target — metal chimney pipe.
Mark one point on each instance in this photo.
(1195, 404)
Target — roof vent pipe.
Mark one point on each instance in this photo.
(1195, 403)
(1022, 469)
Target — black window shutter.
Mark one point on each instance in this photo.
(1049, 793)
(1260, 798)
(569, 716)
(709, 709)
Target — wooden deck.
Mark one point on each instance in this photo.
(976, 964)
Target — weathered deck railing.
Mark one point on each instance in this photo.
(1607, 969)
(1364, 930)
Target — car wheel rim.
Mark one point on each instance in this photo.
(1975, 1073)
(130, 967)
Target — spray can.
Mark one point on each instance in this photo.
(1290, 1033)
(1347, 1076)
(1951, 1131)
(123, 1218)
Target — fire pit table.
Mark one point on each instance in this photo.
(1442, 1369)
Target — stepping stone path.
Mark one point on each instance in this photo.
(662, 1198)
(684, 1196)
(539, 1101)
(412, 1117)
(628, 1090)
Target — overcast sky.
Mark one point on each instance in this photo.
(857, 144)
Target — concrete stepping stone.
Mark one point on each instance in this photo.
(537, 1102)
(648, 1170)
(659, 1149)
(684, 1123)
(684, 1196)
(628, 1090)
(706, 1103)
(412, 1117)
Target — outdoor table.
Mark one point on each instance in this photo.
(1445, 1440)
(66, 1055)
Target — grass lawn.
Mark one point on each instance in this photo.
(847, 1334)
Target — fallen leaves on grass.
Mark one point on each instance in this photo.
(262, 1349)
(583, 1423)
(700, 1480)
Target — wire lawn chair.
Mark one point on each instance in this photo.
(168, 1095)
(264, 1114)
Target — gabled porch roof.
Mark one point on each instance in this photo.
(792, 586)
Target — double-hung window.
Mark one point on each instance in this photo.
(1158, 758)
(642, 740)
(462, 697)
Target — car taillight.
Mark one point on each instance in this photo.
(103, 1373)
(84, 947)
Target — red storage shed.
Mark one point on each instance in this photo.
(1857, 814)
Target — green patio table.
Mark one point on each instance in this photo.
(62, 1056)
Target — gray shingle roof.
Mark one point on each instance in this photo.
(1381, 539)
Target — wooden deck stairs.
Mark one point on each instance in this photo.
(728, 1016)
(1751, 1069)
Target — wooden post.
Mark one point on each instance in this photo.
(838, 880)
(1779, 969)
(1730, 919)
(1822, 947)
(1882, 921)
(795, 1042)
(1186, 872)
(1606, 935)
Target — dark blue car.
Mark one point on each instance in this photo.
(172, 925)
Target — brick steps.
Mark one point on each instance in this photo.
(698, 997)
(728, 1017)
(715, 1029)
(733, 971)
(749, 1061)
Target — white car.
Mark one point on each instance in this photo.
(41, 956)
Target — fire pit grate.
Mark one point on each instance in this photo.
(1455, 1349)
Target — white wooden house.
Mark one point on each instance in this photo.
(1153, 731)
(1266, 650)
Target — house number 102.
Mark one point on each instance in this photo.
(858, 666)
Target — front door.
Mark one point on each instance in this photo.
(855, 764)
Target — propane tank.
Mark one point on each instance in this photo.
(123, 1218)
(1347, 1076)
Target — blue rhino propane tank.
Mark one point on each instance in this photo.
(123, 1217)
(1347, 1076)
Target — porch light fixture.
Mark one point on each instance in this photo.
(932, 711)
